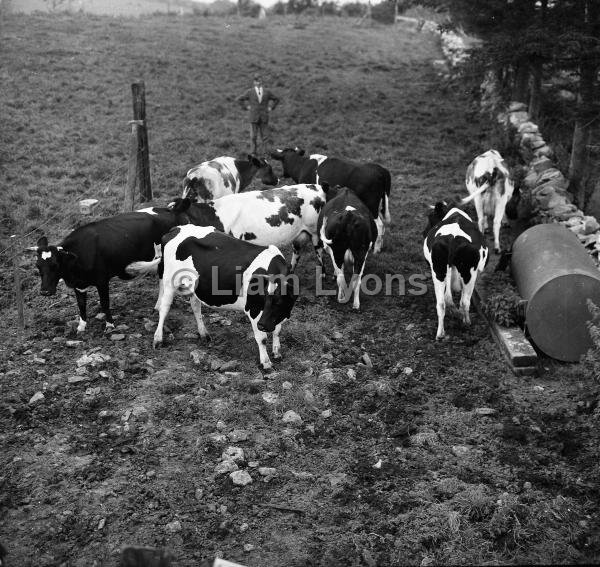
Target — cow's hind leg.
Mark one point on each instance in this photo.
(276, 343)
(196, 306)
(357, 277)
(380, 232)
(498, 216)
(465, 298)
(81, 297)
(261, 341)
(165, 305)
(440, 304)
(105, 305)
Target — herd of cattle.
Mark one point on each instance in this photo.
(220, 244)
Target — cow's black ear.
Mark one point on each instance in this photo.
(300, 151)
(325, 186)
(42, 242)
(277, 154)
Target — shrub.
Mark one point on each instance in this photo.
(384, 12)
(504, 308)
(591, 360)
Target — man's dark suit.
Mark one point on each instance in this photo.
(258, 115)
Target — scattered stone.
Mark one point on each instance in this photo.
(337, 478)
(337, 335)
(292, 417)
(149, 326)
(485, 411)
(92, 391)
(221, 425)
(37, 397)
(235, 454)
(217, 438)
(77, 378)
(591, 225)
(351, 373)
(248, 547)
(73, 344)
(366, 360)
(378, 464)
(199, 494)
(309, 397)
(267, 471)
(326, 375)
(117, 337)
(326, 414)
(101, 523)
(173, 527)
(93, 359)
(230, 365)
(270, 397)
(238, 435)
(198, 356)
(225, 467)
(527, 485)
(240, 478)
(408, 370)
(460, 450)
(425, 438)
(286, 385)
(243, 527)
(39, 360)
(253, 464)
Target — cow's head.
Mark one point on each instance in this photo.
(291, 159)
(51, 261)
(280, 296)
(331, 192)
(436, 214)
(263, 170)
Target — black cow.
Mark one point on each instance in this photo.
(94, 253)
(348, 232)
(371, 182)
(456, 252)
(220, 271)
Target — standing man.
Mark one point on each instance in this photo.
(260, 102)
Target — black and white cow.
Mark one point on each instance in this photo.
(348, 232)
(94, 253)
(371, 182)
(281, 216)
(490, 187)
(220, 271)
(456, 252)
(224, 176)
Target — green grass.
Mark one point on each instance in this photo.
(364, 92)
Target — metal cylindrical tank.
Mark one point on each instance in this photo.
(556, 276)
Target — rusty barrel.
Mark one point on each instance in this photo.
(556, 276)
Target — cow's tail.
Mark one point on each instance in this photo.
(137, 269)
(475, 193)
(349, 260)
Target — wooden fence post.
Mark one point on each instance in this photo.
(138, 90)
(132, 172)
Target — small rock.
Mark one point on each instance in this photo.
(248, 547)
(149, 326)
(485, 411)
(101, 523)
(337, 335)
(267, 471)
(117, 337)
(37, 397)
(73, 344)
(408, 370)
(92, 391)
(230, 365)
(198, 356)
(326, 414)
(173, 527)
(326, 375)
(243, 527)
(292, 417)
(225, 467)
(286, 385)
(527, 485)
(238, 435)
(366, 360)
(253, 464)
(235, 454)
(351, 373)
(240, 478)
(78, 378)
(270, 397)
(309, 397)
(39, 360)
(337, 478)
(217, 438)
(460, 450)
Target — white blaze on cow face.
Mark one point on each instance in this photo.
(350, 208)
(46, 255)
(148, 211)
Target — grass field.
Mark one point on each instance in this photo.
(436, 454)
